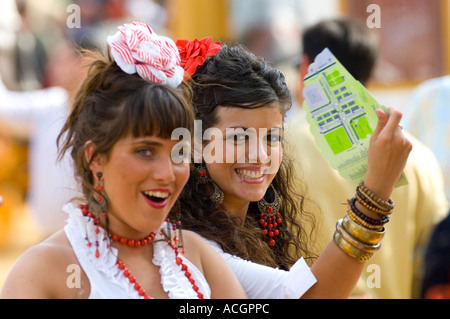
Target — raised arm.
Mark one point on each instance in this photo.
(335, 270)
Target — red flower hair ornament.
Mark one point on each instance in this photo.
(193, 53)
(137, 49)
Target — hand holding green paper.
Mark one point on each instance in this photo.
(342, 116)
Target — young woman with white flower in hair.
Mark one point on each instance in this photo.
(117, 242)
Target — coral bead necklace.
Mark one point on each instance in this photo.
(136, 244)
(131, 242)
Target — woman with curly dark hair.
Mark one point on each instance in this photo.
(240, 195)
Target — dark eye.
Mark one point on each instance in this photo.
(273, 138)
(144, 152)
(238, 138)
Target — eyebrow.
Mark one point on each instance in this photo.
(147, 142)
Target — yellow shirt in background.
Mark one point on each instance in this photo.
(395, 270)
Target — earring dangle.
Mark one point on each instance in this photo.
(174, 224)
(97, 204)
(270, 215)
(203, 178)
(97, 200)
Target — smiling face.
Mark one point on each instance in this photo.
(253, 138)
(142, 183)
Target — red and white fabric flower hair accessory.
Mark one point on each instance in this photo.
(137, 49)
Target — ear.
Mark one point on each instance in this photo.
(95, 163)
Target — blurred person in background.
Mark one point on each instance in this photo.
(427, 119)
(23, 55)
(419, 205)
(99, 17)
(20, 54)
(436, 281)
(34, 116)
(270, 29)
(40, 114)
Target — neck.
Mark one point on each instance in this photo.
(236, 208)
(119, 231)
(129, 244)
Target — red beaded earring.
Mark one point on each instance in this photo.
(98, 200)
(270, 215)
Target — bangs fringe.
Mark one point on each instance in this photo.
(163, 109)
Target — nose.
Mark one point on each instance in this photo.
(164, 170)
(257, 150)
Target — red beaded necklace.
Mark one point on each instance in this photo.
(137, 244)
(132, 243)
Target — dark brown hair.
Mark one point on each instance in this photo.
(237, 78)
(351, 42)
(111, 104)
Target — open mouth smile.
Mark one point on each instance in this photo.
(250, 176)
(157, 198)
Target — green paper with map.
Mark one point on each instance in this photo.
(341, 114)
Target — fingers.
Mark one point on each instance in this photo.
(388, 153)
(382, 120)
(393, 123)
(388, 123)
(382, 115)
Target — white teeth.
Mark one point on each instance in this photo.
(157, 194)
(249, 173)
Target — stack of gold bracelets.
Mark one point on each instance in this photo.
(358, 235)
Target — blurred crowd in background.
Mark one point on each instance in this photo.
(39, 43)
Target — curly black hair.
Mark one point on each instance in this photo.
(236, 77)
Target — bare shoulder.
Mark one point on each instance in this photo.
(219, 275)
(194, 246)
(41, 272)
(192, 238)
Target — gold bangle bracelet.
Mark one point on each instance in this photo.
(361, 233)
(350, 250)
(352, 241)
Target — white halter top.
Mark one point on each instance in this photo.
(107, 280)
